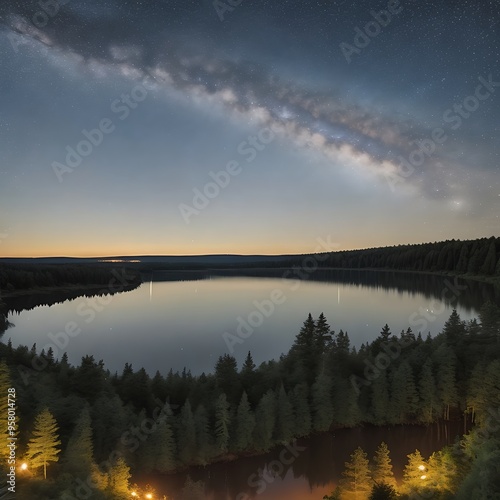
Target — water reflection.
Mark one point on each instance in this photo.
(316, 468)
(172, 324)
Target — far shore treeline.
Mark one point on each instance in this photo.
(478, 258)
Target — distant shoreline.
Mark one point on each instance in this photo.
(89, 288)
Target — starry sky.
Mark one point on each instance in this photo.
(252, 127)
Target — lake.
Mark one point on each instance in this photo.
(189, 319)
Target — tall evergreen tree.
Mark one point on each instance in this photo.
(322, 333)
(490, 261)
(322, 402)
(446, 378)
(203, 441)
(404, 396)
(380, 398)
(265, 419)
(429, 403)
(489, 316)
(245, 425)
(222, 422)
(382, 467)
(164, 447)
(415, 473)
(304, 350)
(227, 378)
(357, 478)
(343, 342)
(79, 453)
(345, 403)
(44, 445)
(284, 417)
(187, 434)
(454, 328)
(299, 398)
(119, 476)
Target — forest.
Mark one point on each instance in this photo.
(82, 425)
(36, 275)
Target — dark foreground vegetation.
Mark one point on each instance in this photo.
(72, 418)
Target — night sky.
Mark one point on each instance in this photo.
(116, 116)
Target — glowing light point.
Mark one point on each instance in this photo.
(421, 467)
(24, 466)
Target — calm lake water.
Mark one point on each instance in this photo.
(168, 323)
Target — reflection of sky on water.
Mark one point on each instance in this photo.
(182, 323)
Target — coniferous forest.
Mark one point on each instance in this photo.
(82, 425)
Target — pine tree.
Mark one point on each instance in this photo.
(247, 373)
(357, 478)
(382, 467)
(345, 403)
(343, 342)
(383, 492)
(44, 446)
(490, 261)
(322, 333)
(164, 446)
(187, 434)
(442, 471)
(454, 328)
(322, 402)
(302, 413)
(462, 259)
(446, 379)
(245, 424)
(489, 315)
(119, 476)
(265, 419)
(404, 396)
(415, 473)
(203, 443)
(380, 398)
(228, 379)
(79, 454)
(222, 422)
(304, 350)
(284, 418)
(429, 404)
